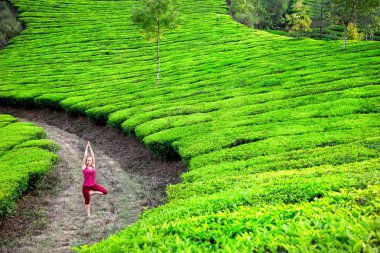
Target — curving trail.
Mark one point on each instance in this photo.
(52, 218)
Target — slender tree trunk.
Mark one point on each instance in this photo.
(345, 35)
(158, 63)
(321, 20)
(158, 53)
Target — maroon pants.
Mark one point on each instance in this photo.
(86, 191)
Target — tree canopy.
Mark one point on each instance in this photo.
(345, 11)
(155, 18)
(327, 18)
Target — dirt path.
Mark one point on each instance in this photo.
(52, 217)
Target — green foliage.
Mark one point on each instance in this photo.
(24, 159)
(312, 18)
(370, 23)
(258, 13)
(9, 26)
(191, 226)
(269, 125)
(40, 143)
(251, 13)
(353, 32)
(298, 22)
(155, 18)
(344, 11)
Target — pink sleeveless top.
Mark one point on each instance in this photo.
(89, 176)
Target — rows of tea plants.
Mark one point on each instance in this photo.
(281, 136)
(25, 157)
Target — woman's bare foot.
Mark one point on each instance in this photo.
(95, 192)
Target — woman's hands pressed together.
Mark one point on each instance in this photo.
(85, 156)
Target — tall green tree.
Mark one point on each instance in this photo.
(322, 15)
(262, 14)
(155, 18)
(298, 22)
(370, 23)
(251, 13)
(345, 11)
(277, 10)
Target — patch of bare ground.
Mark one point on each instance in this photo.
(52, 218)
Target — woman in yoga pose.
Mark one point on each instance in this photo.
(89, 185)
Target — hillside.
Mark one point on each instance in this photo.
(281, 136)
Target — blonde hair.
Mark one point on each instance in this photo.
(91, 158)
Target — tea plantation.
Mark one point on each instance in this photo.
(281, 135)
(25, 157)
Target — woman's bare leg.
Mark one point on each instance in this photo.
(96, 192)
(87, 207)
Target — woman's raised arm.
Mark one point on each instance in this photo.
(92, 154)
(85, 155)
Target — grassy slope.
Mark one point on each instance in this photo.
(281, 135)
(25, 156)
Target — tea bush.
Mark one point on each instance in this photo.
(281, 135)
(25, 157)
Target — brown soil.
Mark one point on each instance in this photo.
(52, 217)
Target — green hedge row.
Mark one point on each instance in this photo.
(297, 159)
(340, 216)
(266, 123)
(25, 157)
